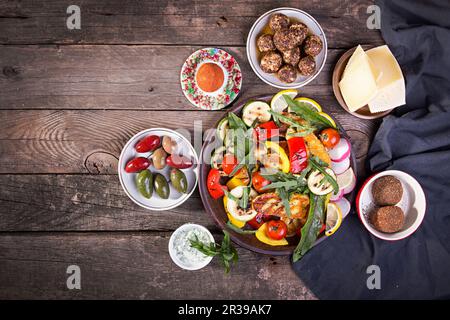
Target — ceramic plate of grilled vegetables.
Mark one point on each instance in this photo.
(278, 174)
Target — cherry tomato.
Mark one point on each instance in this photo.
(179, 162)
(229, 163)
(259, 182)
(276, 229)
(215, 189)
(137, 164)
(330, 137)
(147, 144)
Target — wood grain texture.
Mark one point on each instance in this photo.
(118, 77)
(84, 203)
(63, 141)
(172, 22)
(133, 266)
(69, 101)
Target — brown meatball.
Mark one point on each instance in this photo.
(285, 40)
(313, 45)
(299, 26)
(292, 56)
(271, 62)
(387, 191)
(387, 219)
(287, 73)
(265, 43)
(307, 66)
(278, 21)
(300, 32)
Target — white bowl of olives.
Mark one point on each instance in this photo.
(158, 169)
(286, 48)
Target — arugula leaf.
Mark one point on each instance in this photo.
(306, 113)
(239, 144)
(243, 203)
(238, 230)
(307, 129)
(316, 217)
(285, 200)
(316, 164)
(231, 197)
(235, 122)
(226, 251)
(281, 184)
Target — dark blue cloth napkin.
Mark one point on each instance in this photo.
(415, 139)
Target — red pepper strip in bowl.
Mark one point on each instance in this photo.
(267, 130)
(298, 154)
(215, 189)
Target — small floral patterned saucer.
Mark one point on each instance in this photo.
(223, 96)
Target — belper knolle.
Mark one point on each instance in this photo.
(387, 191)
(388, 219)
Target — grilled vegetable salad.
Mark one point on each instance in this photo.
(282, 170)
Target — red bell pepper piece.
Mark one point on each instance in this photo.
(267, 130)
(298, 154)
(215, 189)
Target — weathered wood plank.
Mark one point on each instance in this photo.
(117, 77)
(64, 141)
(133, 266)
(172, 22)
(84, 203)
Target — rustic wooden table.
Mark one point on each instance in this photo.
(70, 99)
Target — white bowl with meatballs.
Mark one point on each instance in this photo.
(391, 205)
(286, 48)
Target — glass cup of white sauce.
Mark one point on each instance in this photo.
(180, 250)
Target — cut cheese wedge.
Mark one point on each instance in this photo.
(359, 54)
(391, 84)
(359, 83)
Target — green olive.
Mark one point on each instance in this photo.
(161, 186)
(178, 179)
(144, 183)
(159, 158)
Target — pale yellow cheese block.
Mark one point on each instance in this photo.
(359, 54)
(358, 85)
(391, 84)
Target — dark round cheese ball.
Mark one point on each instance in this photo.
(278, 21)
(287, 73)
(265, 43)
(285, 40)
(271, 62)
(307, 66)
(387, 191)
(312, 45)
(300, 32)
(292, 56)
(388, 219)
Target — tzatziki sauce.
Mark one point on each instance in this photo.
(180, 249)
